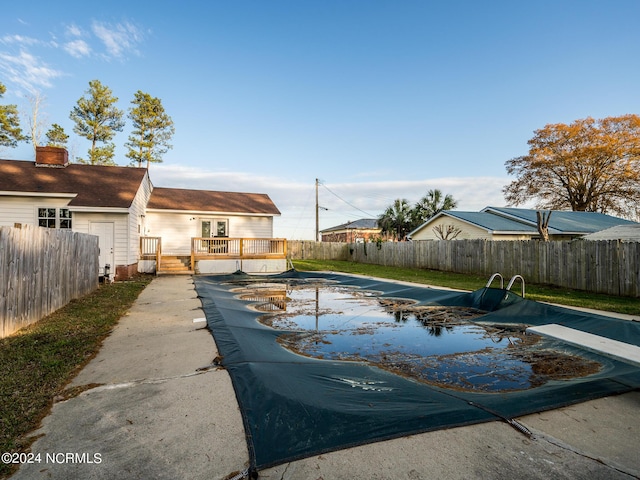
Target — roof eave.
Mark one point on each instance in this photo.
(9, 193)
(86, 209)
(211, 212)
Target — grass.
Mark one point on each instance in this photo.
(543, 293)
(40, 360)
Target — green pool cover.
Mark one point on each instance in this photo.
(293, 406)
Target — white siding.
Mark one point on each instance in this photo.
(137, 220)
(177, 229)
(25, 209)
(251, 227)
(120, 221)
(468, 231)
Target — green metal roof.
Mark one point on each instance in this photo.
(524, 221)
(491, 222)
(563, 221)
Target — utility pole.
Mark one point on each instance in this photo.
(317, 214)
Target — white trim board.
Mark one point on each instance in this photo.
(625, 352)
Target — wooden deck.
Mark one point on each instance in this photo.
(214, 248)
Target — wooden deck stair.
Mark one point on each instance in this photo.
(175, 265)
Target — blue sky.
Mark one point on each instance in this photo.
(378, 99)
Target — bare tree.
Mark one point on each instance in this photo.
(543, 224)
(36, 121)
(448, 232)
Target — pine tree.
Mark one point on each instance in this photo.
(97, 119)
(56, 136)
(10, 131)
(153, 129)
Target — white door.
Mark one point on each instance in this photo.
(104, 232)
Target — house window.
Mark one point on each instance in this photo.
(47, 217)
(54, 217)
(214, 228)
(221, 228)
(65, 218)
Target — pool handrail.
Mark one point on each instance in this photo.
(513, 279)
(493, 277)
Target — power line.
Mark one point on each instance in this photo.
(348, 203)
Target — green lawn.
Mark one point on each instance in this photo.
(39, 361)
(627, 305)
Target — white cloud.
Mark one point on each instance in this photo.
(19, 39)
(296, 200)
(118, 39)
(21, 63)
(77, 48)
(74, 31)
(27, 70)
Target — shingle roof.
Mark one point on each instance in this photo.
(363, 223)
(113, 186)
(94, 185)
(209, 201)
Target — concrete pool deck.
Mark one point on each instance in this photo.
(160, 409)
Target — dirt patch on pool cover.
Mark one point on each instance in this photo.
(448, 347)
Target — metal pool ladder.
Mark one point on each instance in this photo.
(496, 275)
(510, 284)
(513, 279)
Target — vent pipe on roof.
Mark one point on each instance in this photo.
(56, 157)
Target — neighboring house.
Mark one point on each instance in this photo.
(137, 223)
(493, 223)
(624, 233)
(358, 231)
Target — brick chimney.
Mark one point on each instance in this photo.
(56, 157)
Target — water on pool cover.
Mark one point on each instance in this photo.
(444, 346)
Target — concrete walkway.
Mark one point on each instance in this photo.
(159, 412)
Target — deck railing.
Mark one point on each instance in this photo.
(211, 248)
(151, 249)
(206, 248)
(215, 247)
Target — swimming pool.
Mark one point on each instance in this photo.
(435, 344)
(309, 380)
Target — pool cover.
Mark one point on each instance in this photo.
(294, 406)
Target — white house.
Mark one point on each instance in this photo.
(142, 228)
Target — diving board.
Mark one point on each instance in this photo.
(625, 352)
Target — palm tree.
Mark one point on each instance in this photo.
(396, 219)
(431, 204)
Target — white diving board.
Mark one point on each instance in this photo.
(624, 352)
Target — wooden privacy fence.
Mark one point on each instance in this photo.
(304, 249)
(611, 266)
(41, 270)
